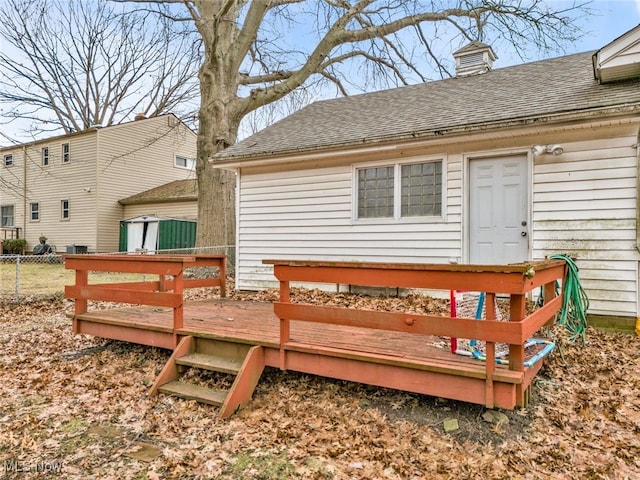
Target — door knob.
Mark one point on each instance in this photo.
(523, 234)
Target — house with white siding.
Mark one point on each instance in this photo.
(491, 167)
(67, 188)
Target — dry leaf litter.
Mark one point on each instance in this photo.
(77, 407)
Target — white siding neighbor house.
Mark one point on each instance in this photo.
(491, 167)
(67, 188)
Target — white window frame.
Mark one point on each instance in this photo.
(397, 191)
(12, 217)
(66, 155)
(36, 211)
(45, 156)
(189, 163)
(63, 210)
(8, 160)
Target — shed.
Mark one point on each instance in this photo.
(152, 233)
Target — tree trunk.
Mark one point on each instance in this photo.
(218, 127)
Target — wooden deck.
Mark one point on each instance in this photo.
(389, 349)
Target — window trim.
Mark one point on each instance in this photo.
(66, 156)
(36, 211)
(8, 156)
(63, 210)
(45, 156)
(187, 160)
(397, 191)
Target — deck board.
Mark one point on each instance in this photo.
(255, 323)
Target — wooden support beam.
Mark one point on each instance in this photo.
(402, 322)
(98, 292)
(81, 305)
(285, 326)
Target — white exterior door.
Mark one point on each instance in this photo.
(498, 210)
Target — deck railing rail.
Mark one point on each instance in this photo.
(166, 291)
(516, 281)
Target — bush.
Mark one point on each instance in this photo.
(16, 246)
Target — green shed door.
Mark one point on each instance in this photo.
(176, 234)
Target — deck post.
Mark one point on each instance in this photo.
(223, 276)
(162, 280)
(81, 305)
(285, 327)
(549, 293)
(490, 352)
(178, 288)
(517, 309)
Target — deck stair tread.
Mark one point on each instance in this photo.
(210, 362)
(194, 392)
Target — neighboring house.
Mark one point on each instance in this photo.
(491, 167)
(67, 187)
(177, 199)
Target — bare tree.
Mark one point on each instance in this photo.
(70, 65)
(259, 52)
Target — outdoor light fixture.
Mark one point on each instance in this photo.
(542, 149)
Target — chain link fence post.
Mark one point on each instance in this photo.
(17, 292)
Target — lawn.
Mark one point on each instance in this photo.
(79, 406)
(38, 277)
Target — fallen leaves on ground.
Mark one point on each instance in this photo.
(79, 407)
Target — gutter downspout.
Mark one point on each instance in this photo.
(24, 191)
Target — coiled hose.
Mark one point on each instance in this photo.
(575, 302)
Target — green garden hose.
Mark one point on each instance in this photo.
(575, 302)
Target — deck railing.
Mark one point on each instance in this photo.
(166, 291)
(516, 281)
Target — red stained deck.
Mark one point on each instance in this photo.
(388, 349)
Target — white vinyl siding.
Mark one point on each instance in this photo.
(307, 214)
(585, 206)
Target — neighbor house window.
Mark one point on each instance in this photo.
(35, 211)
(6, 214)
(66, 154)
(45, 156)
(184, 162)
(64, 209)
(8, 160)
(401, 190)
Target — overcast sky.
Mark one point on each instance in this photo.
(611, 19)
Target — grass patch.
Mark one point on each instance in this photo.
(44, 278)
(261, 465)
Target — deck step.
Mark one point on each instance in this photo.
(210, 362)
(194, 392)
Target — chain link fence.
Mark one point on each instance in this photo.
(26, 277)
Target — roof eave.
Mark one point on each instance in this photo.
(383, 142)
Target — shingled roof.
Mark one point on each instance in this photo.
(176, 191)
(522, 94)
